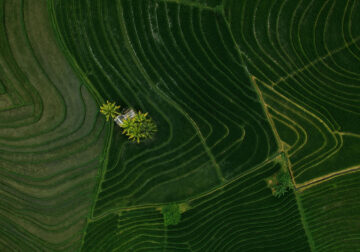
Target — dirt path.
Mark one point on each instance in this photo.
(304, 186)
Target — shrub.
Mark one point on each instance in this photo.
(283, 185)
(172, 214)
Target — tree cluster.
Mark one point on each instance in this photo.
(139, 128)
(283, 184)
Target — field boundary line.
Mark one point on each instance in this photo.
(269, 118)
(304, 222)
(316, 181)
(306, 111)
(304, 186)
(342, 133)
(253, 79)
(169, 100)
(283, 154)
(190, 4)
(206, 147)
(198, 196)
(313, 62)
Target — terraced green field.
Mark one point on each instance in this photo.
(239, 90)
(332, 212)
(200, 144)
(230, 218)
(305, 58)
(52, 137)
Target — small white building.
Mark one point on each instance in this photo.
(127, 114)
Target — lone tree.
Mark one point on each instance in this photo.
(171, 213)
(283, 185)
(109, 110)
(140, 127)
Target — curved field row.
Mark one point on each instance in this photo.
(179, 63)
(51, 137)
(241, 216)
(307, 52)
(310, 145)
(332, 213)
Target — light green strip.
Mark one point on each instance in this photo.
(304, 223)
(218, 8)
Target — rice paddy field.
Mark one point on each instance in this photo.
(240, 91)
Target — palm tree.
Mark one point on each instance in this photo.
(284, 184)
(109, 110)
(280, 190)
(139, 127)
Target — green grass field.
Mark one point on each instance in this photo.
(239, 91)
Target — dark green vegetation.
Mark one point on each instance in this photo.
(332, 212)
(171, 213)
(238, 90)
(282, 183)
(305, 57)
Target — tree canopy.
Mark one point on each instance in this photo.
(171, 213)
(109, 110)
(139, 128)
(283, 185)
